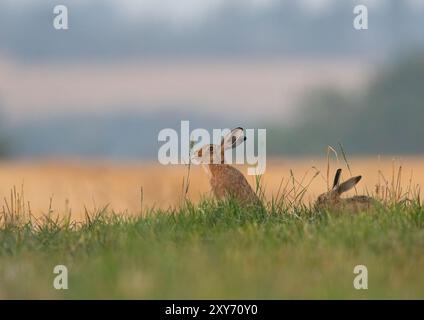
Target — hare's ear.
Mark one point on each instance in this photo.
(336, 182)
(349, 184)
(233, 139)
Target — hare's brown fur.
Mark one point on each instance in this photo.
(332, 200)
(225, 180)
(228, 181)
(354, 204)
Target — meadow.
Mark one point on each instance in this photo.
(170, 239)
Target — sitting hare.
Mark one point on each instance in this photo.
(226, 180)
(332, 200)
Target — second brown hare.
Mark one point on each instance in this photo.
(333, 201)
(225, 180)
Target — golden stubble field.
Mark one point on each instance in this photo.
(70, 186)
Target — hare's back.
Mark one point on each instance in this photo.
(362, 199)
(361, 203)
(228, 180)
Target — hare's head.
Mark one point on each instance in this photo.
(338, 188)
(214, 154)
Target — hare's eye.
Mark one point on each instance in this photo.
(211, 148)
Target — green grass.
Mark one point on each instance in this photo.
(216, 250)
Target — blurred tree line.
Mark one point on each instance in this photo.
(386, 119)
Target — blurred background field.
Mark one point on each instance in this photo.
(63, 188)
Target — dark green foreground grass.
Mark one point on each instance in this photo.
(217, 251)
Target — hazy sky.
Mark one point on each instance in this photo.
(190, 11)
(194, 9)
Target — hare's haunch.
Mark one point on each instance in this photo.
(332, 200)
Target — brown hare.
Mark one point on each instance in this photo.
(332, 200)
(226, 180)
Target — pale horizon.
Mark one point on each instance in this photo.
(257, 89)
